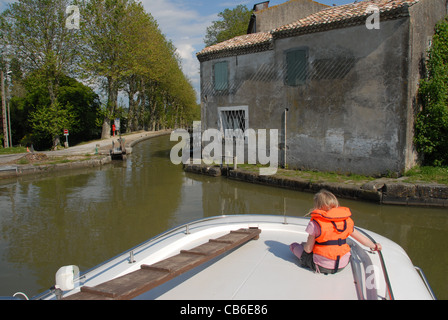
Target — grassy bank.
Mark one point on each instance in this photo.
(427, 175)
(416, 175)
(12, 150)
(313, 176)
(38, 159)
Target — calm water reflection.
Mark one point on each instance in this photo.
(88, 216)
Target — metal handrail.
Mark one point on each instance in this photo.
(422, 275)
(152, 240)
(386, 276)
(383, 265)
(138, 248)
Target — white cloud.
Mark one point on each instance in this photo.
(190, 64)
(185, 26)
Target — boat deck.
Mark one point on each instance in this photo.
(132, 284)
(261, 269)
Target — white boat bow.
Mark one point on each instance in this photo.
(262, 269)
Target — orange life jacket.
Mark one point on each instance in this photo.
(335, 227)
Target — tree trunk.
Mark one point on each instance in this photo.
(51, 93)
(105, 133)
(56, 142)
(132, 115)
(112, 95)
(141, 106)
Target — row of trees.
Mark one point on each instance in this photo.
(111, 47)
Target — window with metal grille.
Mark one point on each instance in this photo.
(296, 67)
(221, 76)
(233, 118)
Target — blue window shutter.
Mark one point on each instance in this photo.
(221, 76)
(296, 65)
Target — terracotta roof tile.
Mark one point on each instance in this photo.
(247, 41)
(344, 14)
(330, 18)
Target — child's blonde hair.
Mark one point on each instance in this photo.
(325, 200)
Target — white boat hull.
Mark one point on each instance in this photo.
(264, 269)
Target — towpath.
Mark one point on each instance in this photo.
(383, 190)
(90, 154)
(103, 145)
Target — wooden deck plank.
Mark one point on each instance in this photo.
(209, 248)
(150, 276)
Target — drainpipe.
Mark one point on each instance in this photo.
(284, 145)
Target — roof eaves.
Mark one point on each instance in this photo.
(307, 25)
(262, 42)
(332, 18)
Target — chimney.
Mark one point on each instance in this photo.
(261, 6)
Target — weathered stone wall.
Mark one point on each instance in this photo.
(355, 111)
(252, 81)
(22, 170)
(285, 13)
(383, 191)
(347, 117)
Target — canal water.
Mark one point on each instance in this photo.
(85, 217)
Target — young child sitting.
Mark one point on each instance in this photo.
(326, 250)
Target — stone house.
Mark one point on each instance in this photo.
(340, 84)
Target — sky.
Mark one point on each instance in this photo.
(184, 22)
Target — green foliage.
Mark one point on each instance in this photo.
(431, 126)
(233, 23)
(36, 35)
(119, 47)
(125, 48)
(50, 121)
(83, 105)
